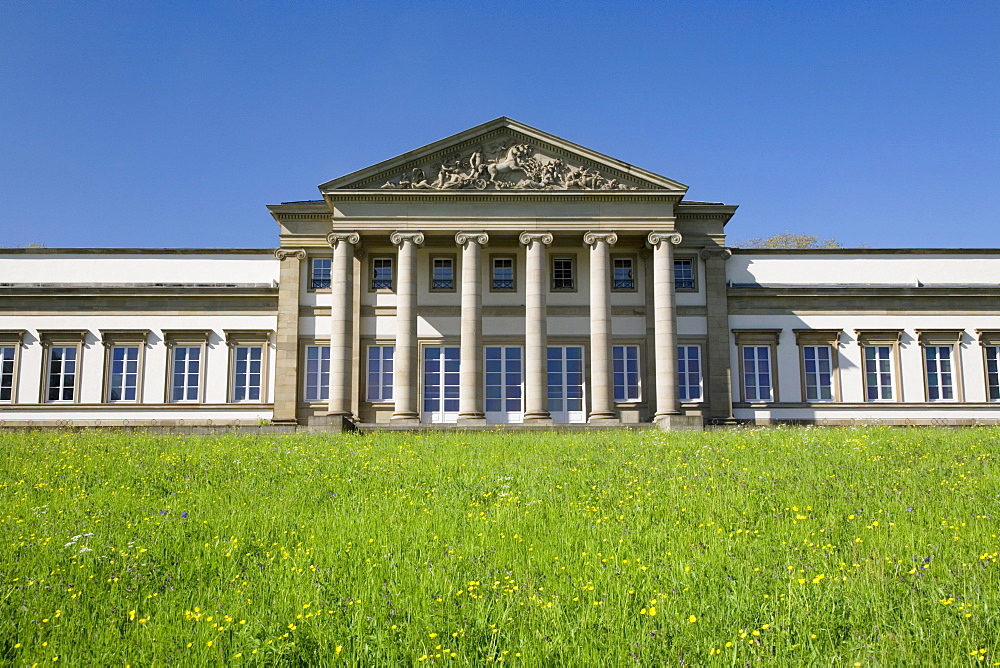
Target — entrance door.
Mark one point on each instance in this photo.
(504, 384)
(565, 367)
(440, 384)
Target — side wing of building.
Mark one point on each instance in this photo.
(120, 337)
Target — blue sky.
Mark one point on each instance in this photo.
(174, 123)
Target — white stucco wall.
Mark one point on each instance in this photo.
(152, 267)
(870, 268)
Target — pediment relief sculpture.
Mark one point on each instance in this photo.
(503, 166)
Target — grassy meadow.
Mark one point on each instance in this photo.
(773, 546)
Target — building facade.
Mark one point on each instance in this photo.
(501, 275)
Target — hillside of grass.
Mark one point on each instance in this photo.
(830, 546)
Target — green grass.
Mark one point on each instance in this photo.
(788, 546)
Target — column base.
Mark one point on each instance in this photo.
(472, 419)
(537, 418)
(405, 418)
(604, 418)
(679, 422)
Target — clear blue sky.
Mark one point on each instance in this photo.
(145, 124)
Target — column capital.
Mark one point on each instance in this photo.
(528, 238)
(593, 238)
(656, 238)
(399, 238)
(335, 238)
(720, 253)
(285, 253)
(481, 238)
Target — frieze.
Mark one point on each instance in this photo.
(500, 165)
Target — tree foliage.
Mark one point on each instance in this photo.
(789, 240)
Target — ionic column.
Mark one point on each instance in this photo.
(341, 322)
(286, 347)
(665, 324)
(602, 401)
(405, 357)
(470, 403)
(536, 395)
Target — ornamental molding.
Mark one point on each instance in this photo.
(528, 238)
(285, 253)
(704, 216)
(721, 253)
(593, 238)
(335, 238)
(398, 238)
(656, 238)
(501, 196)
(481, 238)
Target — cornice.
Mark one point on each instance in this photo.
(669, 196)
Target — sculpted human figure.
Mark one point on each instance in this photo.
(418, 180)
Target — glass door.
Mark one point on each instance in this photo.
(566, 398)
(504, 384)
(440, 384)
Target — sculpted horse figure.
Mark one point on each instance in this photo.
(511, 162)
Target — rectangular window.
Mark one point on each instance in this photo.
(62, 373)
(443, 274)
(993, 373)
(381, 273)
(565, 366)
(317, 373)
(689, 372)
(123, 374)
(756, 373)
(817, 368)
(623, 276)
(625, 365)
(504, 384)
(248, 373)
(684, 274)
(380, 373)
(878, 373)
(563, 274)
(939, 373)
(320, 275)
(441, 384)
(502, 278)
(7, 353)
(185, 383)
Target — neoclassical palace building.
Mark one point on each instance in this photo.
(499, 276)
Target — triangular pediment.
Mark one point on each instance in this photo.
(502, 155)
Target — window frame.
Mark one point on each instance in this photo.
(304, 365)
(13, 339)
(625, 371)
(450, 257)
(513, 272)
(950, 339)
(186, 338)
(758, 338)
(312, 287)
(61, 338)
(123, 338)
(879, 339)
(694, 272)
(383, 388)
(700, 347)
(247, 338)
(572, 259)
(807, 338)
(391, 259)
(633, 270)
(990, 339)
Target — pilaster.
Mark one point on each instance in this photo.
(718, 375)
(286, 348)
